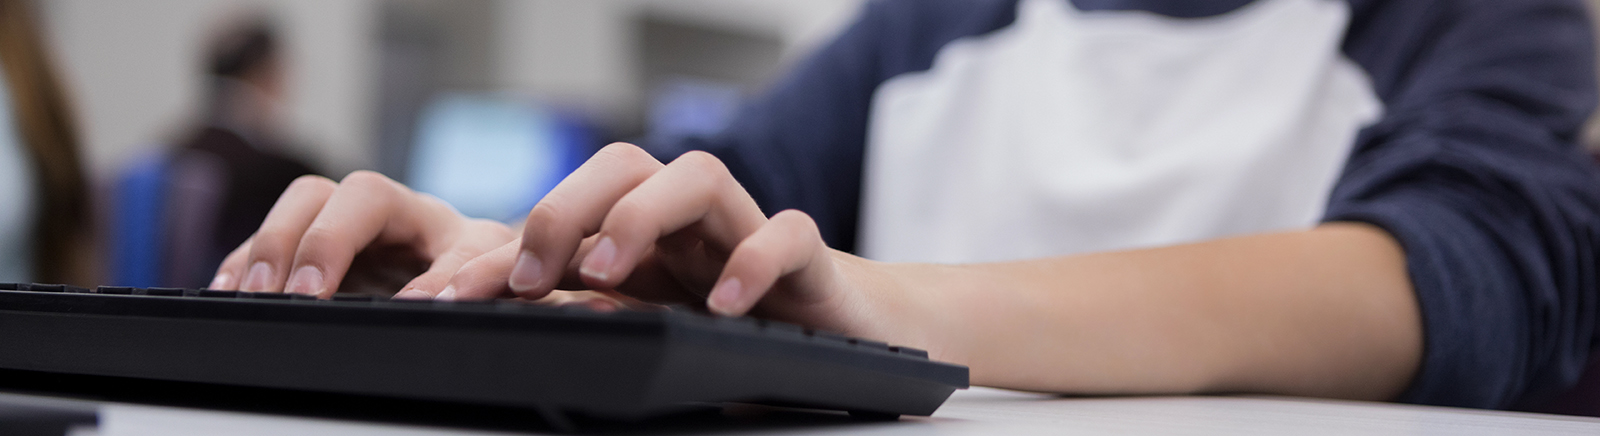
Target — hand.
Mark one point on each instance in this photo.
(319, 230)
(685, 232)
(622, 224)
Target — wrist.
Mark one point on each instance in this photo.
(902, 304)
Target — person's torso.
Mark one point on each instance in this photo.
(1073, 131)
(252, 178)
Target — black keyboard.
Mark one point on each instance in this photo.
(555, 361)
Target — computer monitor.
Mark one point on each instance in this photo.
(493, 155)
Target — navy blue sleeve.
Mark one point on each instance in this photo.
(1476, 171)
(801, 144)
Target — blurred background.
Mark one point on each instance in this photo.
(193, 114)
(359, 72)
(485, 103)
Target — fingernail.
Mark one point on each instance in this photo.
(448, 294)
(220, 281)
(725, 296)
(412, 294)
(306, 280)
(598, 264)
(525, 275)
(259, 278)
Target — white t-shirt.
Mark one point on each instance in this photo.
(1071, 132)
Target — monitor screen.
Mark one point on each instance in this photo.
(493, 156)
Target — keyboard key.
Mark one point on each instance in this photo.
(910, 351)
(870, 344)
(827, 336)
(114, 290)
(743, 324)
(168, 292)
(164, 292)
(355, 298)
(513, 306)
(207, 293)
(45, 288)
(783, 329)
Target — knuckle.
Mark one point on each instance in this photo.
(760, 257)
(626, 212)
(797, 224)
(543, 215)
(703, 162)
(366, 180)
(429, 200)
(622, 153)
(365, 183)
(234, 262)
(475, 273)
(312, 182)
(450, 260)
(547, 224)
(710, 170)
(471, 267)
(271, 245)
(313, 244)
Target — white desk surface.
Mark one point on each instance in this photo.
(977, 411)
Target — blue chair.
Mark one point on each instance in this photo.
(164, 208)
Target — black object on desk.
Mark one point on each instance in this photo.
(37, 418)
(624, 365)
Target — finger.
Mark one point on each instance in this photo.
(695, 189)
(274, 244)
(478, 237)
(788, 243)
(485, 277)
(573, 210)
(367, 208)
(232, 268)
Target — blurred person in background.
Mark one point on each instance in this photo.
(44, 216)
(239, 151)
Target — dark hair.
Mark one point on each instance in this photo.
(48, 130)
(242, 50)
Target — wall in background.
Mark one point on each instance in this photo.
(134, 67)
(585, 53)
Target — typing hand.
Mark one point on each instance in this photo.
(622, 224)
(685, 232)
(366, 227)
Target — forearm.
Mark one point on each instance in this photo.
(1325, 312)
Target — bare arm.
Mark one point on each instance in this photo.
(1326, 312)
